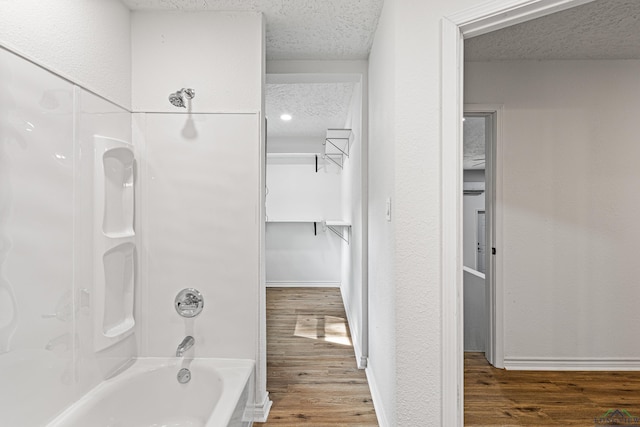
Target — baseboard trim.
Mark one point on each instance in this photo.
(302, 284)
(571, 364)
(259, 412)
(377, 399)
(361, 360)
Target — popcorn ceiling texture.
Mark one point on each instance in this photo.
(315, 108)
(603, 29)
(474, 143)
(298, 29)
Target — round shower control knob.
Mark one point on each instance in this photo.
(189, 302)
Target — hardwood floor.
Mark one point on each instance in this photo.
(312, 375)
(496, 397)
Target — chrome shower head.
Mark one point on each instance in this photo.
(177, 98)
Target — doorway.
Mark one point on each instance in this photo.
(481, 283)
(455, 28)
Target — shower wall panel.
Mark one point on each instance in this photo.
(105, 173)
(37, 334)
(46, 220)
(200, 211)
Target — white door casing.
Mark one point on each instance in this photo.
(474, 21)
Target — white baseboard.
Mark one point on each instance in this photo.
(259, 412)
(302, 284)
(377, 400)
(571, 364)
(355, 333)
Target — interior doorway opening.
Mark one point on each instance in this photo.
(482, 328)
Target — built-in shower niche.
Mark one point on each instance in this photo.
(119, 268)
(115, 249)
(118, 192)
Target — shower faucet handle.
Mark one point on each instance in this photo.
(189, 302)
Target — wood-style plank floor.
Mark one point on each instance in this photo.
(312, 375)
(497, 397)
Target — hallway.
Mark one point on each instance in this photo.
(312, 376)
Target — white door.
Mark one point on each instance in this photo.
(481, 241)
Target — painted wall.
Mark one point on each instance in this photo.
(381, 370)
(475, 312)
(86, 41)
(47, 289)
(296, 192)
(354, 211)
(211, 52)
(570, 215)
(405, 93)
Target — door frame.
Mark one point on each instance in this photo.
(493, 209)
(471, 22)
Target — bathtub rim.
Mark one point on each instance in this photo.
(140, 365)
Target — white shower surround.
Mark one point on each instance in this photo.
(70, 342)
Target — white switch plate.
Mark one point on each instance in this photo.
(388, 209)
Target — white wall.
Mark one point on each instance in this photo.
(381, 370)
(298, 192)
(47, 293)
(354, 211)
(86, 41)
(471, 204)
(211, 52)
(475, 312)
(295, 256)
(404, 275)
(570, 216)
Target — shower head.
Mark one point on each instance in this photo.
(177, 98)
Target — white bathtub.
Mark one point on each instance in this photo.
(148, 394)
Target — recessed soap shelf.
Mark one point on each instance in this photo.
(115, 249)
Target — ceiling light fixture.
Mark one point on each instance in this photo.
(286, 117)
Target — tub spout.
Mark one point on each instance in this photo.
(185, 345)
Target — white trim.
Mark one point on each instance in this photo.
(451, 206)
(498, 14)
(383, 421)
(495, 304)
(301, 284)
(361, 360)
(474, 272)
(571, 364)
(258, 412)
(473, 21)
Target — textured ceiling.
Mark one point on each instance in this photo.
(603, 29)
(473, 142)
(315, 107)
(298, 29)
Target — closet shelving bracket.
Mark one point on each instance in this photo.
(337, 145)
(340, 229)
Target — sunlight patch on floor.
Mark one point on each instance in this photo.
(325, 328)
